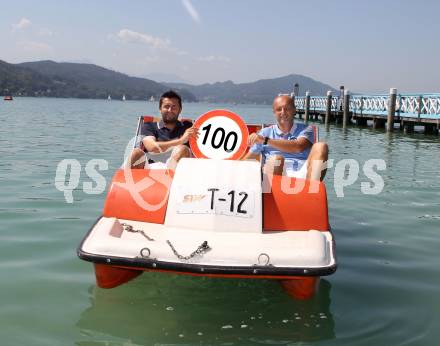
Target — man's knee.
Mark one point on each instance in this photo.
(275, 160)
(317, 165)
(180, 151)
(320, 148)
(137, 158)
(137, 152)
(274, 165)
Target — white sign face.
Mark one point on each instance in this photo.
(219, 138)
(220, 201)
(222, 135)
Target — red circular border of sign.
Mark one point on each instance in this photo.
(221, 112)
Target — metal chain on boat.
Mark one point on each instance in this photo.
(204, 247)
(129, 228)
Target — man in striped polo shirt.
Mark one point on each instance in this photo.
(288, 148)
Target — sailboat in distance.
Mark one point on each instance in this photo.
(123, 97)
(109, 98)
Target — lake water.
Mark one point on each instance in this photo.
(385, 291)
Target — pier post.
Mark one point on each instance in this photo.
(420, 106)
(341, 98)
(296, 89)
(328, 109)
(429, 129)
(408, 127)
(391, 109)
(378, 123)
(307, 107)
(346, 108)
(360, 120)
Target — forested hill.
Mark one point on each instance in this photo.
(259, 92)
(52, 79)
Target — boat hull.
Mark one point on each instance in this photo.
(109, 276)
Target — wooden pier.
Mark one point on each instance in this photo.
(391, 111)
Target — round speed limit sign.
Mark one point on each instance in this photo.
(222, 135)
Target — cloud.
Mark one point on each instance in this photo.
(191, 10)
(130, 36)
(44, 32)
(22, 24)
(35, 47)
(213, 58)
(180, 52)
(151, 59)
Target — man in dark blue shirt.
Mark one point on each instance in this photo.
(167, 135)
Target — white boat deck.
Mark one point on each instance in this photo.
(289, 249)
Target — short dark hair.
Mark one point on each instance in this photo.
(170, 94)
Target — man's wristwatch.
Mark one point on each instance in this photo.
(266, 139)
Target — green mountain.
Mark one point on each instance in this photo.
(49, 78)
(17, 80)
(261, 92)
(52, 79)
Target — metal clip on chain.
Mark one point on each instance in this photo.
(204, 247)
(129, 228)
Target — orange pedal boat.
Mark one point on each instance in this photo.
(216, 218)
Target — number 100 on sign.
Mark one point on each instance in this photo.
(220, 137)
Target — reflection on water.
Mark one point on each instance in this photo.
(174, 309)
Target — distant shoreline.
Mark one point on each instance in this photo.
(142, 101)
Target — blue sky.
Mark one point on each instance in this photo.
(367, 46)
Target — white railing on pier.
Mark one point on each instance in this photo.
(369, 104)
(317, 103)
(424, 106)
(300, 102)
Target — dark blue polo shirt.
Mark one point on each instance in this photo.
(162, 133)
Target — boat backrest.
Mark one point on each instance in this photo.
(148, 204)
(295, 204)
